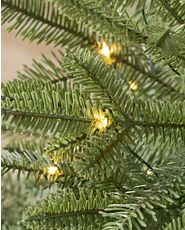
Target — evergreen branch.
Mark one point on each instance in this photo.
(30, 144)
(46, 69)
(148, 75)
(84, 207)
(100, 19)
(166, 33)
(47, 108)
(154, 124)
(15, 196)
(166, 43)
(159, 117)
(119, 139)
(9, 128)
(34, 163)
(177, 223)
(46, 23)
(111, 154)
(128, 215)
(118, 155)
(65, 143)
(158, 153)
(47, 116)
(41, 122)
(66, 179)
(168, 163)
(172, 10)
(23, 161)
(87, 69)
(148, 197)
(62, 149)
(62, 215)
(151, 74)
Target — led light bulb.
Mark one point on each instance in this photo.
(52, 170)
(149, 172)
(102, 120)
(105, 51)
(102, 124)
(133, 85)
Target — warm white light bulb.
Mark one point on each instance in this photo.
(105, 50)
(102, 121)
(52, 170)
(149, 172)
(133, 85)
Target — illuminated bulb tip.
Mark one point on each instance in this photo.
(149, 172)
(102, 119)
(102, 123)
(105, 50)
(52, 170)
(105, 122)
(133, 85)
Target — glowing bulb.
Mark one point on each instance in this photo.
(105, 51)
(102, 124)
(133, 85)
(102, 120)
(52, 170)
(149, 172)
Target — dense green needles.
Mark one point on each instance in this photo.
(98, 128)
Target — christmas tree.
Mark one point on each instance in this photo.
(100, 127)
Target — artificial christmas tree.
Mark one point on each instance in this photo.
(102, 124)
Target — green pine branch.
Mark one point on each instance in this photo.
(176, 223)
(100, 18)
(163, 117)
(46, 69)
(140, 69)
(23, 161)
(175, 9)
(97, 78)
(156, 154)
(39, 20)
(128, 215)
(112, 119)
(44, 107)
(166, 42)
(80, 212)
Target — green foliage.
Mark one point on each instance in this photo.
(69, 210)
(130, 214)
(166, 42)
(49, 106)
(172, 10)
(23, 161)
(140, 69)
(160, 152)
(46, 69)
(39, 20)
(107, 84)
(13, 195)
(107, 113)
(176, 223)
(99, 18)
